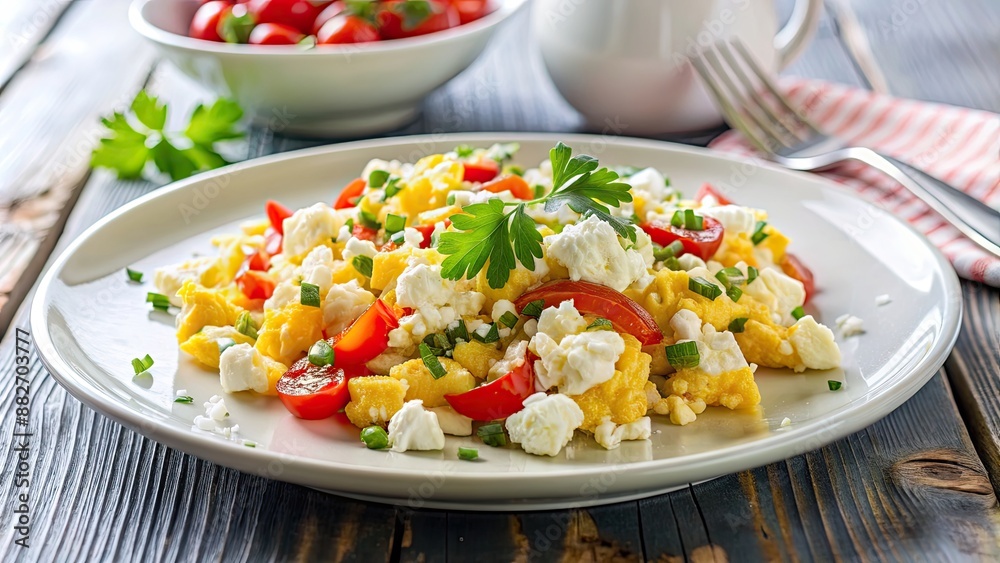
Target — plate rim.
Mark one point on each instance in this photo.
(798, 439)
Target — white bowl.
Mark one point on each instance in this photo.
(331, 90)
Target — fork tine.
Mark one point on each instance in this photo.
(776, 136)
(790, 127)
(728, 109)
(769, 84)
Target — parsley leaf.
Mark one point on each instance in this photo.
(487, 236)
(133, 139)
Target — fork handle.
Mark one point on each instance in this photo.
(973, 218)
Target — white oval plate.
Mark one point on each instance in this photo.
(89, 322)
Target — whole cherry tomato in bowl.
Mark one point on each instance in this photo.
(275, 34)
(299, 14)
(397, 19)
(205, 24)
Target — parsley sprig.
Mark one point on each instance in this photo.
(490, 232)
(138, 136)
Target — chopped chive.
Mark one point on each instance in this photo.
(673, 263)
(142, 365)
(245, 325)
(225, 343)
(678, 219)
(798, 312)
(431, 362)
(438, 343)
(363, 264)
(683, 355)
(730, 276)
(321, 354)
(600, 323)
(736, 325)
(464, 151)
(533, 309)
(309, 295)
(508, 319)
(159, 301)
(394, 223)
(392, 188)
(672, 250)
(758, 233)
(397, 238)
(349, 224)
(834, 385)
(492, 335)
(693, 222)
(369, 220)
(468, 454)
(249, 444)
(538, 190)
(377, 178)
(450, 200)
(752, 274)
(134, 275)
(459, 332)
(666, 182)
(734, 293)
(185, 399)
(703, 287)
(375, 438)
(492, 434)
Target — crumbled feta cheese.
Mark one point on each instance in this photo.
(415, 428)
(358, 247)
(317, 268)
(883, 299)
(649, 185)
(344, 234)
(610, 435)
(719, 353)
(557, 322)
(577, 362)
(451, 422)
(814, 344)
(181, 393)
(285, 293)
(512, 358)
(735, 219)
(545, 424)
(309, 227)
(218, 411)
(850, 325)
(779, 293)
(343, 304)
(412, 237)
(592, 251)
(436, 303)
(530, 327)
(690, 262)
(241, 367)
(500, 307)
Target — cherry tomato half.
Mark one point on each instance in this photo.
(364, 233)
(255, 285)
(499, 398)
(313, 392)
(482, 171)
(298, 14)
(471, 10)
(344, 29)
(512, 183)
(703, 243)
(272, 241)
(276, 214)
(274, 34)
(367, 337)
(259, 261)
(205, 24)
(794, 268)
(708, 190)
(349, 195)
(590, 298)
(410, 18)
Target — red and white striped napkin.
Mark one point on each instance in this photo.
(958, 145)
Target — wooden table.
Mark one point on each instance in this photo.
(917, 485)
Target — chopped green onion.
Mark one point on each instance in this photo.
(678, 219)
(491, 336)
(693, 222)
(513, 169)
(321, 354)
(683, 355)
(369, 220)
(600, 323)
(450, 200)
(758, 233)
(734, 293)
(245, 325)
(798, 312)
(185, 399)
(142, 365)
(431, 362)
(134, 275)
(492, 434)
(464, 151)
(533, 309)
(508, 319)
(159, 301)
(459, 332)
(225, 343)
(539, 190)
(834, 385)
(673, 263)
(309, 294)
(438, 343)
(363, 264)
(672, 250)
(377, 178)
(752, 274)
(736, 325)
(703, 287)
(730, 276)
(392, 188)
(468, 454)
(666, 182)
(249, 444)
(394, 223)
(349, 224)
(399, 237)
(375, 438)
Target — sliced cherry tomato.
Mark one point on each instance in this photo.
(409, 18)
(299, 14)
(482, 171)
(708, 190)
(349, 195)
(512, 183)
(426, 231)
(367, 337)
(794, 268)
(272, 241)
(594, 299)
(499, 398)
(259, 261)
(342, 29)
(274, 34)
(276, 214)
(205, 24)
(255, 285)
(703, 243)
(313, 392)
(364, 233)
(471, 10)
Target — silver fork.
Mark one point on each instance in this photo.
(752, 104)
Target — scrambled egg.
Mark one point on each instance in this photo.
(623, 397)
(204, 345)
(421, 385)
(374, 400)
(287, 333)
(203, 307)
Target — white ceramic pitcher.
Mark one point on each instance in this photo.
(623, 63)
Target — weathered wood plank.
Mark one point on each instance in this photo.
(23, 25)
